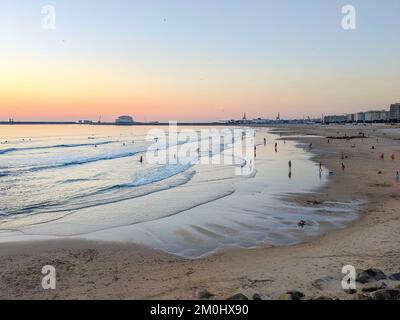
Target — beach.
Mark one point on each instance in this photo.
(116, 270)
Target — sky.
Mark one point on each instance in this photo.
(196, 60)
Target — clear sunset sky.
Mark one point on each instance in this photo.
(196, 60)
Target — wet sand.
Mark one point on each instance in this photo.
(95, 270)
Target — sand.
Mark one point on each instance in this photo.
(96, 270)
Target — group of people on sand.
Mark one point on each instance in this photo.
(382, 157)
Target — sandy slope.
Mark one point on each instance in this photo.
(106, 270)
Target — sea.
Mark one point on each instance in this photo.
(97, 182)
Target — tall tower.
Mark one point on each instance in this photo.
(244, 116)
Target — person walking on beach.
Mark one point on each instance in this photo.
(265, 141)
(290, 164)
(397, 176)
(343, 166)
(320, 166)
(141, 159)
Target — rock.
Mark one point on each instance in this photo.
(204, 294)
(296, 295)
(395, 277)
(238, 296)
(350, 291)
(285, 296)
(322, 298)
(363, 296)
(327, 283)
(371, 287)
(257, 296)
(386, 294)
(370, 275)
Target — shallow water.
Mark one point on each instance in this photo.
(87, 181)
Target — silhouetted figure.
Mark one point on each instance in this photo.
(290, 175)
(382, 156)
(141, 159)
(393, 157)
(301, 224)
(397, 176)
(343, 166)
(265, 141)
(290, 164)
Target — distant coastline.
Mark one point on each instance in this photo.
(111, 123)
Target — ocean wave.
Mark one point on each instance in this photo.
(76, 145)
(89, 200)
(156, 175)
(77, 162)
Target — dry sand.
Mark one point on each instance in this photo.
(93, 270)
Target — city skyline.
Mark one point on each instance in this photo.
(205, 61)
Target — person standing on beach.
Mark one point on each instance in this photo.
(397, 176)
(290, 164)
(141, 159)
(343, 166)
(265, 141)
(382, 156)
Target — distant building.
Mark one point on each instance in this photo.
(335, 119)
(351, 117)
(376, 116)
(124, 120)
(395, 112)
(359, 117)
